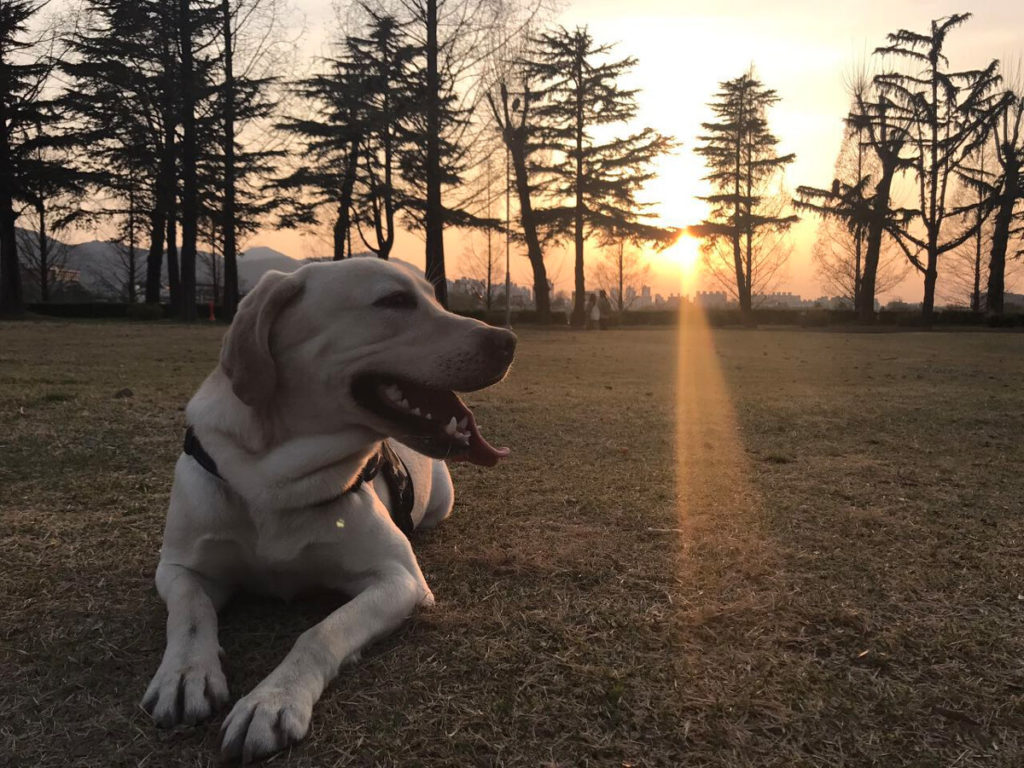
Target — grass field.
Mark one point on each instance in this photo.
(738, 548)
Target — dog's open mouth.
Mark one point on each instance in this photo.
(433, 421)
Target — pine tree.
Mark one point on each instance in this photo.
(592, 183)
(949, 114)
(123, 97)
(358, 147)
(22, 80)
(741, 154)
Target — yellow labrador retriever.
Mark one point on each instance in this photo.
(272, 493)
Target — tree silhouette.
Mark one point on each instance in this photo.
(518, 134)
(592, 183)
(247, 30)
(741, 154)
(994, 176)
(359, 137)
(23, 77)
(949, 113)
(851, 252)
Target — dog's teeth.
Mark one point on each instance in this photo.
(450, 427)
(415, 411)
(430, 416)
(463, 422)
(393, 392)
(404, 404)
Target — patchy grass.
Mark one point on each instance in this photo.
(771, 548)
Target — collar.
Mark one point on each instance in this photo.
(384, 462)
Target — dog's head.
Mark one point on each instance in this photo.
(362, 343)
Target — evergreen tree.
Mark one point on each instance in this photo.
(593, 183)
(22, 80)
(949, 114)
(124, 100)
(741, 154)
(358, 145)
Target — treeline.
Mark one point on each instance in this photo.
(179, 120)
(930, 167)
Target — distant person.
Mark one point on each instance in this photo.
(604, 308)
(593, 312)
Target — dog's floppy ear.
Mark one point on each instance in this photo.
(245, 355)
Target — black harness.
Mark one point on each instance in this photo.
(384, 462)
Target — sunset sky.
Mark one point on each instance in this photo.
(801, 48)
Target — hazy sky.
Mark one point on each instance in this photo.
(802, 48)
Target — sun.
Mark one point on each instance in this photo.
(684, 255)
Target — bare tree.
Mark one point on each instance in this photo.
(949, 112)
(43, 257)
(520, 140)
(843, 253)
(617, 269)
(999, 186)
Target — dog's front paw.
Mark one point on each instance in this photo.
(266, 721)
(188, 692)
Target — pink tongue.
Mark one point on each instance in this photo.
(480, 451)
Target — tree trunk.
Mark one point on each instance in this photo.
(163, 204)
(130, 282)
(622, 306)
(434, 213)
(44, 250)
(579, 319)
(173, 269)
(228, 217)
(541, 292)
(343, 222)
(490, 258)
(1000, 241)
(931, 275)
(155, 257)
(876, 228)
(190, 184)
(340, 230)
(166, 182)
(12, 300)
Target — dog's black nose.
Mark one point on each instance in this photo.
(501, 343)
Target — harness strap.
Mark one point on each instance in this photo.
(195, 449)
(384, 462)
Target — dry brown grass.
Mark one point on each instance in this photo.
(801, 549)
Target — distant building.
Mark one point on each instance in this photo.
(711, 299)
(1014, 301)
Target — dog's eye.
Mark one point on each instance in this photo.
(397, 300)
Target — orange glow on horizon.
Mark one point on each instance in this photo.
(681, 260)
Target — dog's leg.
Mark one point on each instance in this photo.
(442, 496)
(277, 712)
(189, 685)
